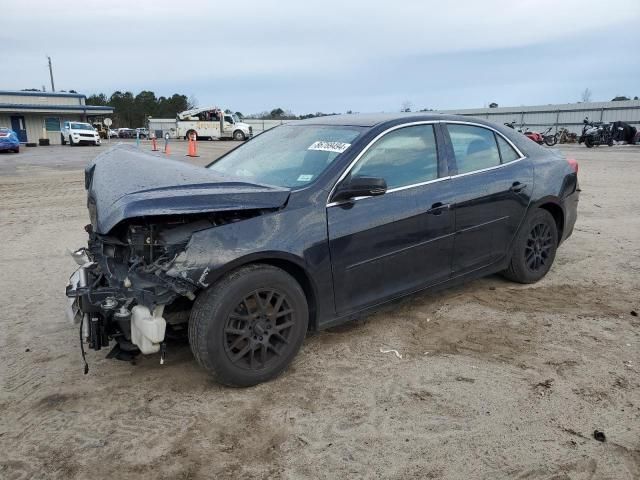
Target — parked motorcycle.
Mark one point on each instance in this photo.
(595, 133)
(543, 137)
(540, 138)
(565, 136)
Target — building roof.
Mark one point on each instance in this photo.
(21, 106)
(41, 94)
(563, 107)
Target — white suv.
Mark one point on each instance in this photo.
(77, 133)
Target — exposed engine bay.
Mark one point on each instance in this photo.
(127, 287)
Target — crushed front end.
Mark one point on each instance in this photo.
(121, 289)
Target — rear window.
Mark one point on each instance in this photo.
(507, 153)
(475, 148)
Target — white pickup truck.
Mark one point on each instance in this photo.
(207, 123)
(77, 133)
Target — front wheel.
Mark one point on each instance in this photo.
(238, 135)
(64, 142)
(71, 144)
(551, 140)
(534, 248)
(247, 328)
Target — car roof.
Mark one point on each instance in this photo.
(372, 119)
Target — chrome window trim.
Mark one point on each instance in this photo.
(366, 149)
(473, 124)
(439, 179)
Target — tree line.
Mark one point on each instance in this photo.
(132, 111)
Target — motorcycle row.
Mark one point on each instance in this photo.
(593, 134)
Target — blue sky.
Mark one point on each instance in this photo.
(330, 55)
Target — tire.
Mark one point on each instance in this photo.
(239, 135)
(71, 141)
(64, 142)
(588, 142)
(16, 150)
(534, 248)
(550, 140)
(226, 322)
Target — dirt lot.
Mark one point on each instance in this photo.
(496, 380)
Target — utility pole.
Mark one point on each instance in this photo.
(53, 87)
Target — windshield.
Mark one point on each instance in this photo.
(235, 118)
(287, 156)
(81, 126)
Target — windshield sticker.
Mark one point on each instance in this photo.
(337, 147)
(305, 178)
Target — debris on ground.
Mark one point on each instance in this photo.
(633, 313)
(465, 379)
(391, 350)
(542, 387)
(599, 436)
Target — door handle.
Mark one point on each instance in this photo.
(437, 208)
(517, 187)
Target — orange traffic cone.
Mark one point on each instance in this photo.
(154, 145)
(167, 150)
(193, 148)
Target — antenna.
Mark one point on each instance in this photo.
(53, 87)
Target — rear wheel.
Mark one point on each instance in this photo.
(551, 140)
(534, 248)
(588, 142)
(249, 326)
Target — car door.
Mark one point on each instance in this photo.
(387, 245)
(493, 182)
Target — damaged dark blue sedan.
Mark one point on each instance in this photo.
(306, 226)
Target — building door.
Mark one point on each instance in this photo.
(18, 126)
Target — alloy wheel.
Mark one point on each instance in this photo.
(538, 248)
(259, 329)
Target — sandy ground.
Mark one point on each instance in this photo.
(496, 380)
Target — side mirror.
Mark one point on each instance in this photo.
(360, 186)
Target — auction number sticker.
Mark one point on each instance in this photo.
(305, 178)
(337, 147)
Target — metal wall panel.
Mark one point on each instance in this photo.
(569, 115)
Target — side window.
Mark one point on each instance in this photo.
(228, 119)
(402, 157)
(475, 148)
(507, 153)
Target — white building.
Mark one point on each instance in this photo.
(568, 115)
(38, 115)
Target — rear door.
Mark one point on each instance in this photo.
(493, 182)
(384, 246)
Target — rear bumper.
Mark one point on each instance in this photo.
(570, 213)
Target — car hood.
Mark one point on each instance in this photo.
(124, 183)
(78, 130)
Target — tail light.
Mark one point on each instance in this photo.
(573, 163)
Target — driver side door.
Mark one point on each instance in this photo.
(385, 246)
